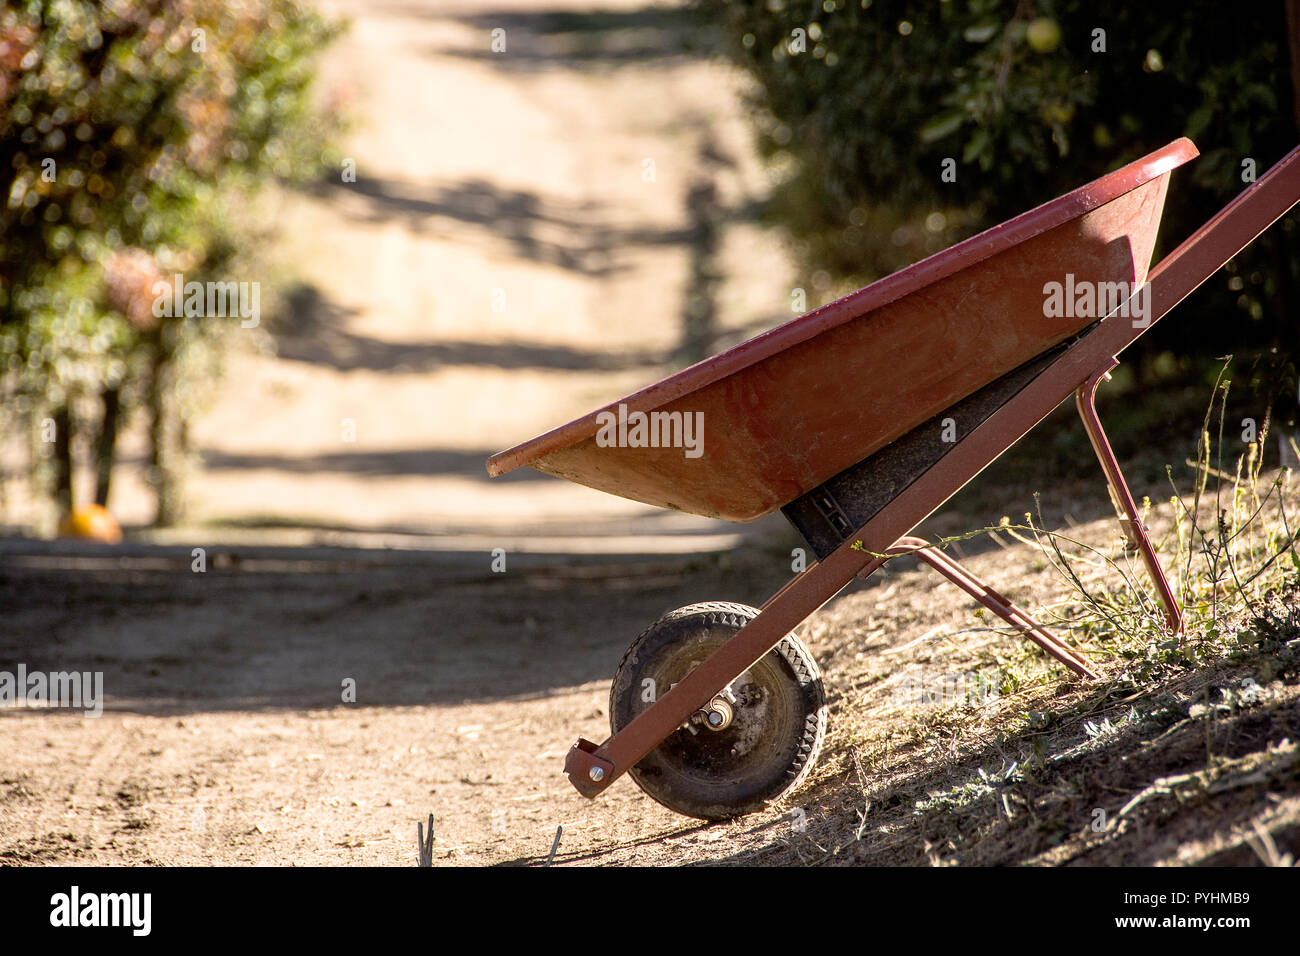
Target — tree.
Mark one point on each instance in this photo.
(127, 129)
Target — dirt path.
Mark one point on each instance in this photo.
(227, 737)
(515, 250)
(223, 745)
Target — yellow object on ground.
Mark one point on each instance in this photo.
(93, 522)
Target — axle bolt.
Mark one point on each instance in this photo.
(718, 714)
(597, 774)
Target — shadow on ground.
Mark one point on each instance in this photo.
(430, 462)
(1160, 785)
(310, 329)
(567, 235)
(586, 40)
(285, 633)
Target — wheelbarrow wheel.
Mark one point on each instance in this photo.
(776, 712)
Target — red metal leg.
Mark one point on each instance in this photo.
(1129, 516)
(995, 602)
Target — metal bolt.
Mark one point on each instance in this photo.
(717, 715)
(597, 774)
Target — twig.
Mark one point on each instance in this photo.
(559, 831)
(425, 847)
(1261, 841)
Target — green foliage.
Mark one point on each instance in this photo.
(884, 91)
(128, 133)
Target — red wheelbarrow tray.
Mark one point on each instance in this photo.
(794, 406)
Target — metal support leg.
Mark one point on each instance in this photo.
(1129, 516)
(995, 602)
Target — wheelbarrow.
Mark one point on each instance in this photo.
(858, 420)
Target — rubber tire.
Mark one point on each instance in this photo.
(794, 730)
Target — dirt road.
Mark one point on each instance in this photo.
(310, 706)
(516, 248)
(347, 662)
(226, 738)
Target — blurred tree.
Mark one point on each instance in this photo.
(862, 104)
(127, 130)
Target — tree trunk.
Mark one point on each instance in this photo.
(63, 458)
(1284, 283)
(106, 446)
(1287, 434)
(164, 458)
(699, 310)
(1293, 43)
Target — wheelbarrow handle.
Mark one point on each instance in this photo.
(1206, 250)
